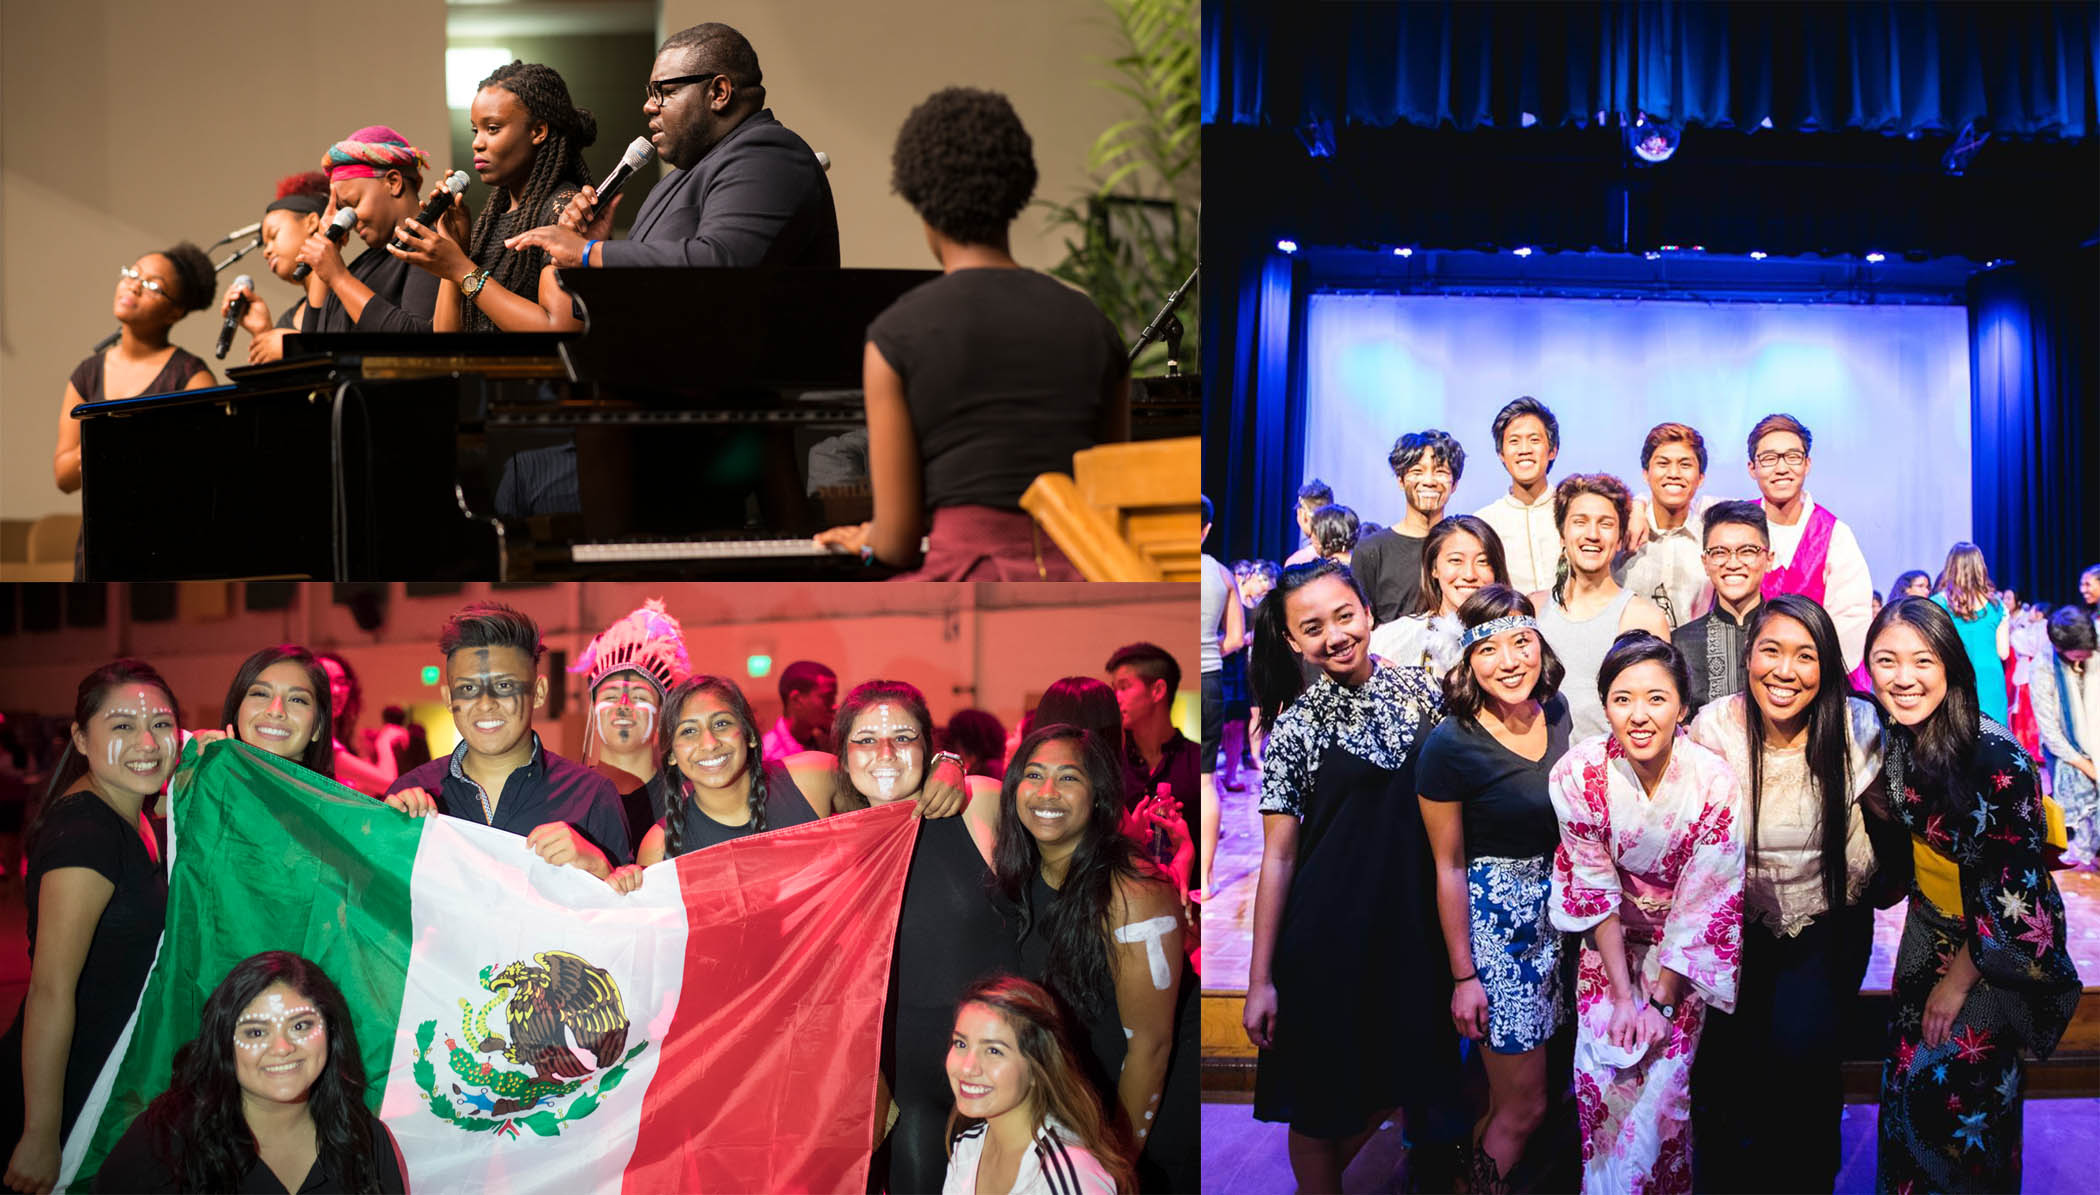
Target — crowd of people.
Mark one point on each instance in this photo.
(1669, 754)
(975, 383)
(1040, 1019)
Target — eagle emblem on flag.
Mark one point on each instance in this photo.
(567, 1031)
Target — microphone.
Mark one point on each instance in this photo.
(245, 230)
(243, 288)
(824, 160)
(338, 231)
(455, 186)
(639, 151)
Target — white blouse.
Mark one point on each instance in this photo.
(1783, 876)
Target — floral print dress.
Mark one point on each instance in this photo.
(1671, 867)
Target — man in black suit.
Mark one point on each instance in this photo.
(748, 191)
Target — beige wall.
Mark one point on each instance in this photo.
(845, 75)
(112, 148)
(993, 646)
(132, 124)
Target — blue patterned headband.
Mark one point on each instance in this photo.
(1488, 630)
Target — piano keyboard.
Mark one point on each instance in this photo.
(704, 549)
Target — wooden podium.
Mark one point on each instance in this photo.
(1127, 512)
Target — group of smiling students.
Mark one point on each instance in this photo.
(1694, 894)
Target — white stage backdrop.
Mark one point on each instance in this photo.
(1884, 391)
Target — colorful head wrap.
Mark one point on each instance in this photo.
(648, 641)
(1494, 627)
(372, 151)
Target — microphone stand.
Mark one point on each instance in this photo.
(220, 268)
(1168, 325)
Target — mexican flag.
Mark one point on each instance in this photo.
(524, 1027)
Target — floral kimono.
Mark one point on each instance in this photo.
(1950, 1114)
(1671, 867)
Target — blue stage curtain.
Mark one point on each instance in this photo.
(1887, 66)
(2035, 373)
(1254, 416)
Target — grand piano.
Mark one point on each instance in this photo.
(704, 424)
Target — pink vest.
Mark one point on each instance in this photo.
(1804, 574)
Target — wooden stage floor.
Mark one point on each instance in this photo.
(1228, 922)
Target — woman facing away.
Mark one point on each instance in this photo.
(1982, 971)
(984, 379)
(1650, 872)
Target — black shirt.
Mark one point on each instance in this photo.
(132, 1167)
(403, 298)
(546, 789)
(785, 806)
(1507, 812)
(1389, 567)
(79, 830)
(1712, 647)
(174, 375)
(1007, 373)
(643, 808)
(1180, 768)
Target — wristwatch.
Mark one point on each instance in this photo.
(471, 285)
(1668, 1011)
(941, 757)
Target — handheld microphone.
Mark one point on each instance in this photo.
(455, 186)
(639, 151)
(338, 231)
(243, 288)
(824, 160)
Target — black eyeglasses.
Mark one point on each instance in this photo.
(658, 89)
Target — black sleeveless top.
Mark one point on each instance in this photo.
(950, 934)
(785, 806)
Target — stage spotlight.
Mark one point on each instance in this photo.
(1403, 251)
(1287, 246)
(1651, 141)
(1652, 255)
(1877, 258)
(1522, 251)
(1757, 255)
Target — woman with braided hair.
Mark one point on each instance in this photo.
(720, 787)
(529, 138)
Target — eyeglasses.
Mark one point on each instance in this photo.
(131, 273)
(1749, 555)
(658, 90)
(1772, 460)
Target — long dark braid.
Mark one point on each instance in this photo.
(557, 166)
(677, 790)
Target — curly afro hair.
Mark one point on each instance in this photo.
(965, 164)
(193, 276)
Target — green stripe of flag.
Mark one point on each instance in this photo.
(268, 856)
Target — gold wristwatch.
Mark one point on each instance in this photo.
(471, 285)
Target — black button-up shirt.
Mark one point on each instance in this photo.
(1180, 765)
(1712, 647)
(547, 788)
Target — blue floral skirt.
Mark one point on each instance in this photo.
(1516, 950)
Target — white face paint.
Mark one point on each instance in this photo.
(625, 711)
(885, 754)
(1154, 935)
(280, 1045)
(132, 741)
(270, 1016)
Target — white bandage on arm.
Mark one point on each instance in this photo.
(1153, 934)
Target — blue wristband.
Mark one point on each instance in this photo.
(588, 248)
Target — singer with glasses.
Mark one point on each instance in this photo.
(153, 294)
(529, 138)
(376, 174)
(984, 378)
(296, 214)
(747, 192)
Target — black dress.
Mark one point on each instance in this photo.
(81, 831)
(785, 806)
(1363, 984)
(132, 1167)
(1169, 1160)
(949, 935)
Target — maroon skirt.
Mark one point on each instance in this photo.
(983, 543)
